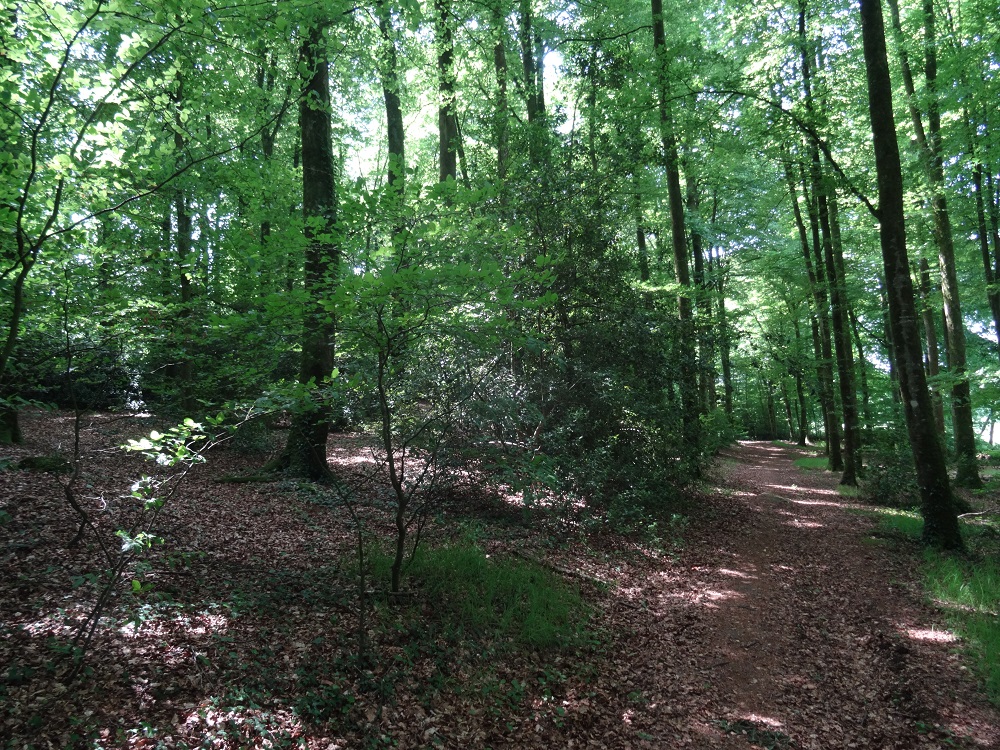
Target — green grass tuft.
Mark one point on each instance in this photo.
(812, 462)
(499, 600)
(967, 589)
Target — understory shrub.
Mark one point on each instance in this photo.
(889, 479)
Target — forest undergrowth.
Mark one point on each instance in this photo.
(757, 611)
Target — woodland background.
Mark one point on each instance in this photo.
(558, 252)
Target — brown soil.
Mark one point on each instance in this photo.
(778, 622)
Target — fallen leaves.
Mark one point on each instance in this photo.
(757, 631)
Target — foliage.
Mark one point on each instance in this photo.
(889, 479)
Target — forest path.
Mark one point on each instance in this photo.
(798, 628)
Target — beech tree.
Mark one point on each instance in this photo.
(937, 507)
(672, 204)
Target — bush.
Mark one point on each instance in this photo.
(100, 377)
(889, 479)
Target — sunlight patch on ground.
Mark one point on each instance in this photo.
(798, 523)
(932, 635)
(218, 721)
(795, 489)
(736, 574)
(350, 460)
(765, 720)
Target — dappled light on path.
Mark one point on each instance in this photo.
(928, 634)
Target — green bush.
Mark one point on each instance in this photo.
(889, 478)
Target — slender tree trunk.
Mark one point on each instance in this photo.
(532, 82)
(447, 122)
(820, 310)
(501, 115)
(992, 290)
(724, 337)
(826, 267)
(840, 305)
(389, 69)
(933, 366)
(937, 506)
(706, 356)
(863, 373)
(686, 350)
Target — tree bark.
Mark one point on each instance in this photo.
(389, 70)
(992, 290)
(447, 122)
(822, 342)
(668, 140)
(937, 505)
(840, 304)
(306, 448)
(933, 365)
(501, 115)
(929, 147)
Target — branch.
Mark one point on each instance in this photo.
(813, 135)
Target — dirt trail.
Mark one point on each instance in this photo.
(799, 628)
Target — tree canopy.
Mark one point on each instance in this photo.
(583, 244)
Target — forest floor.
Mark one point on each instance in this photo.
(773, 615)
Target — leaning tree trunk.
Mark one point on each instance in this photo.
(937, 506)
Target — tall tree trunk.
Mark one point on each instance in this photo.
(826, 277)
(532, 83)
(937, 506)
(929, 146)
(863, 373)
(668, 140)
(840, 304)
(306, 448)
(447, 122)
(822, 341)
(724, 341)
(706, 353)
(800, 391)
(389, 73)
(501, 114)
(992, 290)
(933, 366)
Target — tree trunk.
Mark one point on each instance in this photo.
(845, 349)
(706, 353)
(306, 448)
(532, 84)
(992, 291)
(863, 373)
(501, 125)
(447, 122)
(389, 70)
(929, 146)
(820, 310)
(933, 365)
(937, 506)
(668, 139)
